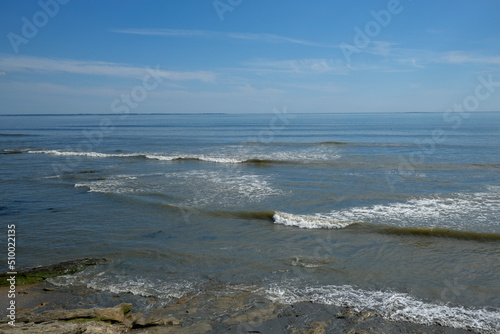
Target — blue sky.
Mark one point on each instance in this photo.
(62, 56)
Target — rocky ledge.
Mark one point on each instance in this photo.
(210, 311)
(214, 308)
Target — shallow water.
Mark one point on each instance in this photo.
(392, 212)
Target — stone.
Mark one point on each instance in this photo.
(116, 314)
(41, 273)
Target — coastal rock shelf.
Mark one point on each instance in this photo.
(216, 309)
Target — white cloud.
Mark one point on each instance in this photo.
(382, 48)
(36, 64)
(50, 89)
(2, 74)
(207, 34)
(419, 58)
(304, 66)
(460, 57)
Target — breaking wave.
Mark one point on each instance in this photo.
(277, 158)
(392, 306)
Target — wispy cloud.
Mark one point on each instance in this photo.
(303, 66)
(460, 57)
(418, 58)
(49, 65)
(207, 34)
(381, 48)
(51, 89)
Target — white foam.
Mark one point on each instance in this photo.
(392, 305)
(142, 287)
(477, 211)
(194, 157)
(224, 160)
(160, 157)
(310, 222)
(493, 189)
(118, 184)
(223, 188)
(309, 262)
(305, 155)
(199, 187)
(138, 286)
(229, 157)
(81, 153)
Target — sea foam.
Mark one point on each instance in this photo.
(391, 305)
(448, 211)
(309, 222)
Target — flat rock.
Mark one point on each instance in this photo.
(114, 314)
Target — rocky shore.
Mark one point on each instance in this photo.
(45, 308)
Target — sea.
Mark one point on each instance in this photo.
(397, 213)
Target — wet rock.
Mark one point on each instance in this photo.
(141, 321)
(41, 273)
(32, 308)
(53, 327)
(317, 328)
(114, 314)
(360, 317)
(196, 328)
(353, 331)
(255, 316)
(348, 314)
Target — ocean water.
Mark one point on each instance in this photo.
(396, 213)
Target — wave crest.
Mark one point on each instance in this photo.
(309, 222)
(392, 306)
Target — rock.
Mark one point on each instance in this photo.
(365, 315)
(317, 328)
(141, 321)
(32, 308)
(196, 328)
(255, 316)
(114, 314)
(347, 314)
(38, 274)
(117, 313)
(60, 327)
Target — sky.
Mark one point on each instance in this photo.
(248, 56)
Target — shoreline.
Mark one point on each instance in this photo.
(46, 308)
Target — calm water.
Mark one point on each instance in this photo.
(393, 212)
